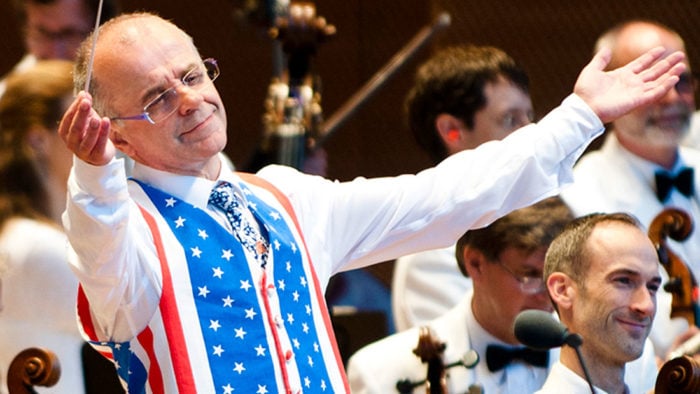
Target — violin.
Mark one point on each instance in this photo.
(32, 367)
(682, 285)
(677, 376)
(430, 351)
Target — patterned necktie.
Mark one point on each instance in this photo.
(498, 357)
(683, 181)
(247, 233)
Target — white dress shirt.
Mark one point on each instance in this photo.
(563, 380)
(426, 285)
(345, 225)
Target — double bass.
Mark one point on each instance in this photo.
(293, 122)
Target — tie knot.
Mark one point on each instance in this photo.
(223, 196)
(498, 357)
(683, 181)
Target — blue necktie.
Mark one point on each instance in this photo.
(225, 198)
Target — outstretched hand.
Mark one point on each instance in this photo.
(612, 94)
(85, 133)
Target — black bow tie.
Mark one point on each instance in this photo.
(498, 357)
(683, 181)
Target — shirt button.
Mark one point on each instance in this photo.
(288, 355)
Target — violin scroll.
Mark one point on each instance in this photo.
(679, 375)
(676, 224)
(430, 351)
(32, 367)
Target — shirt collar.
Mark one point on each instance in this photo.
(644, 167)
(192, 189)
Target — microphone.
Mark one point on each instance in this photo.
(539, 330)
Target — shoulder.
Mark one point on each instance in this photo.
(691, 156)
(34, 235)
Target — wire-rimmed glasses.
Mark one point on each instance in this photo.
(528, 284)
(166, 103)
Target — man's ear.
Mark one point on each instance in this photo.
(473, 261)
(450, 130)
(119, 141)
(561, 289)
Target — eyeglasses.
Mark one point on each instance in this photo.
(167, 102)
(687, 83)
(528, 284)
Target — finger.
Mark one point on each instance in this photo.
(659, 89)
(601, 59)
(644, 61)
(89, 140)
(81, 123)
(68, 117)
(101, 140)
(670, 65)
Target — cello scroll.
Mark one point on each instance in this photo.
(677, 225)
(679, 375)
(32, 367)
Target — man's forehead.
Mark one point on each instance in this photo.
(144, 37)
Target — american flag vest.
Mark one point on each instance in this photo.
(221, 328)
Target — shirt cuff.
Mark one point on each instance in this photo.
(108, 180)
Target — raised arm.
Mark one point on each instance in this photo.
(612, 94)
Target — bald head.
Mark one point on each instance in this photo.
(119, 36)
(653, 131)
(629, 40)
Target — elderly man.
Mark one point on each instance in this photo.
(198, 278)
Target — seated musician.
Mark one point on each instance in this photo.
(602, 273)
(505, 261)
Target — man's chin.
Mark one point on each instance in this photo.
(669, 137)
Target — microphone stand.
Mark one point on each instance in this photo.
(575, 341)
(538, 330)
